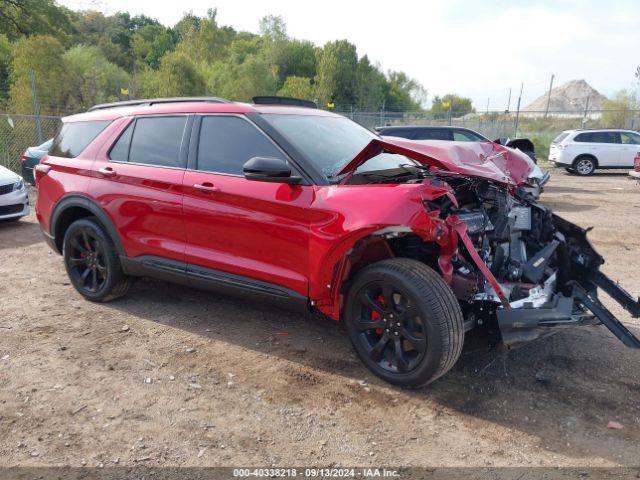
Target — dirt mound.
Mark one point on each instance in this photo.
(570, 97)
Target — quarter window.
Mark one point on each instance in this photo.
(226, 143)
(74, 137)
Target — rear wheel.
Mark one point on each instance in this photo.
(584, 165)
(92, 261)
(404, 322)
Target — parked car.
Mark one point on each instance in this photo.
(31, 158)
(460, 134)
(409, 243)
(635, 173)
(14, 197)
(583, 151)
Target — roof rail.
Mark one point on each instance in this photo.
(155, 101)
(290, 101)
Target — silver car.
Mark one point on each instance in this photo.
(14, 196)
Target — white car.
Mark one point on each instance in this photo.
(14, 197)
(583, 151)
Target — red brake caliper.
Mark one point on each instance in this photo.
(376, 316)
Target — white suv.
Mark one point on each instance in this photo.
(582, 151)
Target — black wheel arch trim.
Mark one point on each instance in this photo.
(90, 205)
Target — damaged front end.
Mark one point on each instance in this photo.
(523, 267)
(509, 260)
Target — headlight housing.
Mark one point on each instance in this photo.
(19, 185)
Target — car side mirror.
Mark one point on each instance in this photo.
(265, 169)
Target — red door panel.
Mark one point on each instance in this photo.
(145, 204)
(254, 229)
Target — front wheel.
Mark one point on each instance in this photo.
(92, 261)
(404, 322)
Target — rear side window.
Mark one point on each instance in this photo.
(597, 137)
(151, 141)
(433, 134)
(226, 143)
(74, 137)
(398, 132)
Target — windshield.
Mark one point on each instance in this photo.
(331, 142)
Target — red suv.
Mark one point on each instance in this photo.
(409, 243)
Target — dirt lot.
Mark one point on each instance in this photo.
(170, 376)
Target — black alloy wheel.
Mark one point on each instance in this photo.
(391, 327)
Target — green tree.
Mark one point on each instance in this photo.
(273, 28)
(336, 73)
(177, 76)
(22, 18)
(150, 43)
(112, 33)
(459, 105)
(203, 40)
(5, 63)
(44, 55)
(242, 81)
(617, 110)
(371, 86)
(298, 87)
(403, 93)
(93, 78)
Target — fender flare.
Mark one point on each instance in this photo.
(86, 203)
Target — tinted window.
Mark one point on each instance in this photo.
(433, 134)
(74, 137)
(120, 150)
(328, 142)
(226, 143)
(630, 138)
(398, 132)
(597, 137)
(157, 141)
(466, 136)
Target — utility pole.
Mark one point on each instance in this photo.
(586, 109)
(509, 101)
(518, 109)
(546, 110)
(36, 106)
(488, 100)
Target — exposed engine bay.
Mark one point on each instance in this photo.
(517, 264)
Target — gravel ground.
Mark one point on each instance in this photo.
(174, 377)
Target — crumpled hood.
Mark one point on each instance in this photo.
(476, 159)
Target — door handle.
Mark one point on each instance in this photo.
(206, 187)
(107, 172)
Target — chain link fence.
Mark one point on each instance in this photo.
(18, 132)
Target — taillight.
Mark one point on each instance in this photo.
(24, 157)
(40, 171)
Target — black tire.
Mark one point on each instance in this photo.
(424, 322)
(92, 261)
(584, 165)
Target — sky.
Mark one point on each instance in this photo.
(478, 49)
